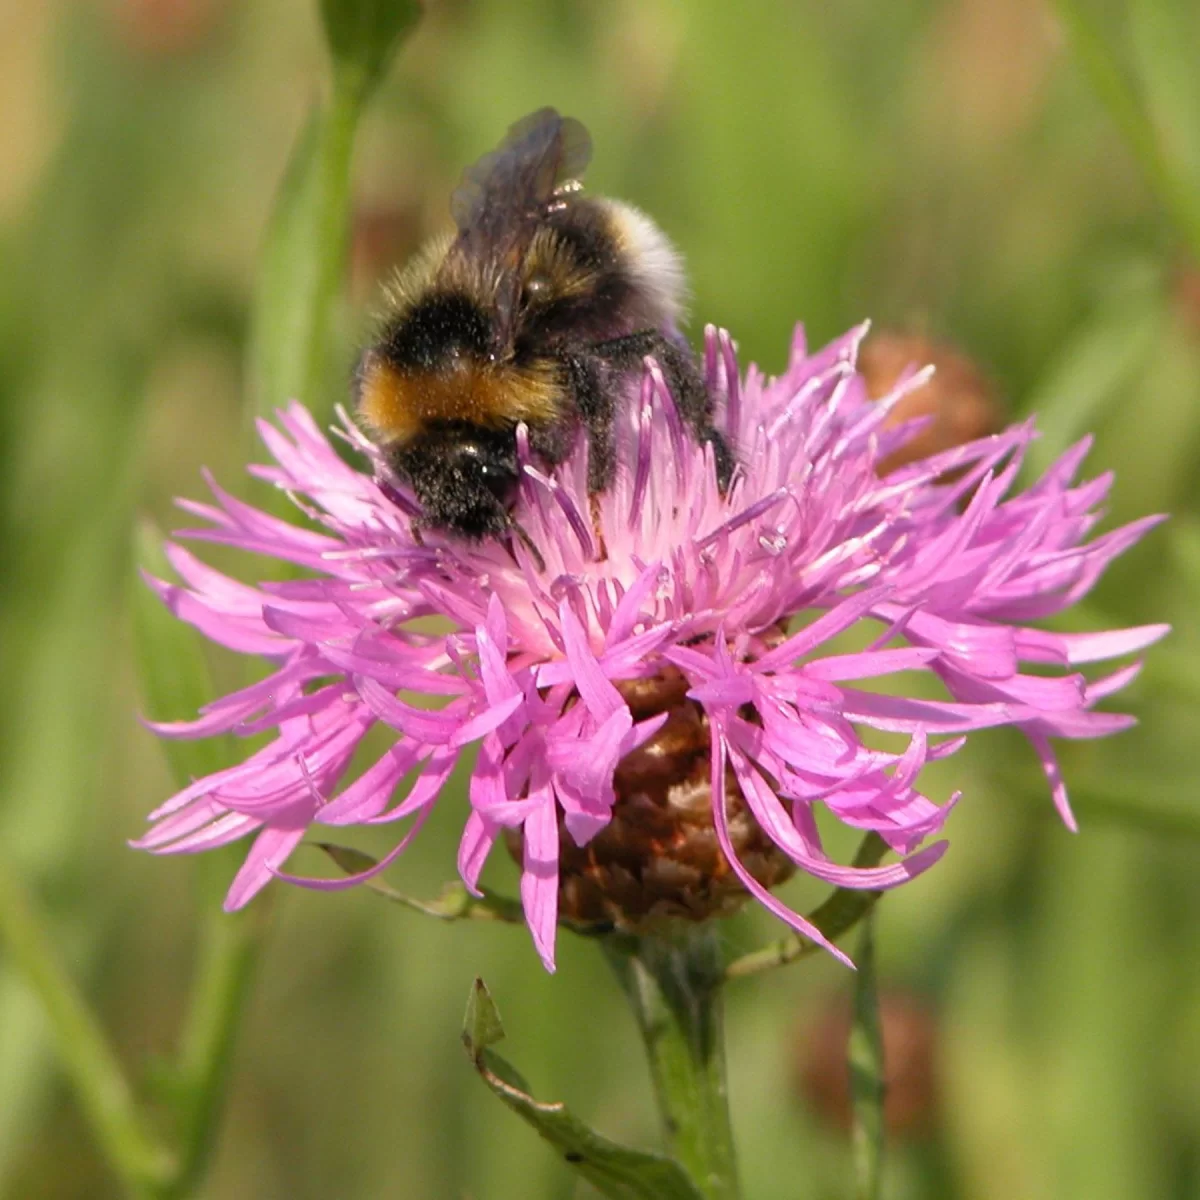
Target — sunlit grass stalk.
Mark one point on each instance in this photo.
(145, 1166)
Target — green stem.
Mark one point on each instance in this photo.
(331, 233)
(867, 1070)
(1115, 91)
(836, 915)
(229, 951)
(674, 988)
(304, 258)
(144, 1165)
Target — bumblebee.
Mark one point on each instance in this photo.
(539, 309)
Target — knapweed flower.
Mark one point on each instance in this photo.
(665, 650)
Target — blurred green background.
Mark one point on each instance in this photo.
(942, 166)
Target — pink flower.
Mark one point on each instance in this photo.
(663, 571)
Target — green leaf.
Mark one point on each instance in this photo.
(454, 904)
(482, 1027)
(866, 1071)
(364, 34)
(172, 669)
(613, 1170)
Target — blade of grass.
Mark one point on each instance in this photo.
(145, 1166)
(1115, 90)
(230, 945)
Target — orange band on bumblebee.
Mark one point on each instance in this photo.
(399, 405)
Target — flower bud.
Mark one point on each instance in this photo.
(910, 1106)
(166, 28)
(1185, 296)
(959, 398)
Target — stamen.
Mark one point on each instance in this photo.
(744, 517)
(671, 414)
(643, 430)
(733, 386)
(710, 360)
(570, 510)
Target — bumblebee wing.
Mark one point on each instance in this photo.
(504, 195)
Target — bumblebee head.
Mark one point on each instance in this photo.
(465, 478)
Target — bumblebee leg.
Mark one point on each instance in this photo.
(683, 376)
(595, 404)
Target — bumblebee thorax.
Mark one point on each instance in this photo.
(444, 332)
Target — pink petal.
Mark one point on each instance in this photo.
(270, 850)
(539, 877)
(479, 835)
(341, 883)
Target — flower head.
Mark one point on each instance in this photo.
(724, 605)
